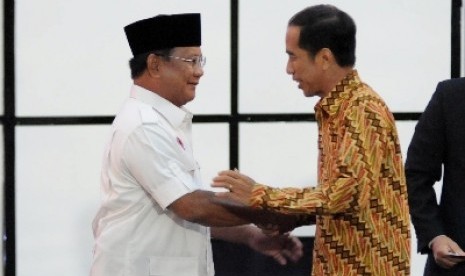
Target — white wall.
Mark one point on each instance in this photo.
(72, 61)
(403, 49)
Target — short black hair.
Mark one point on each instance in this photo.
(325, 26)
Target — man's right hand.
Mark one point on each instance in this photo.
(445, 252)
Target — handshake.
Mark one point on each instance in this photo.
(245, 198)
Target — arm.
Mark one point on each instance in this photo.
(425, 158)
(201, 207)
(168, 174)
(347, 186)
(423, 169)
(205, 208)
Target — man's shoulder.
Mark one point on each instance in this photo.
(148, 114)
(452, 90)
(454, 81)
(367, 97)
(134, 113)
(455, 84)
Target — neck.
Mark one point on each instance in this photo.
(336, 76)
(152, 85)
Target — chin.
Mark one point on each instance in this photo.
(309, 94)
(192, 97)
(188, 100)
(189, 95)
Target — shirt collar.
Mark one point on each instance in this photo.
(331, 102)
(175, 115)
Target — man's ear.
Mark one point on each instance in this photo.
(153, 63)
(325, 57)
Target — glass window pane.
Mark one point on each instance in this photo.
(70, 66)
(280, 155)
(402, 59)
(211, 148)
(57, 196)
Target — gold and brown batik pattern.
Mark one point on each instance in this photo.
(360, 202)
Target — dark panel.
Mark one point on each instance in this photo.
(9, 223)
(235, 259)
(455, 38)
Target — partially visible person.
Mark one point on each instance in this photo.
(156, 212)
(360, 200)
(437, 150)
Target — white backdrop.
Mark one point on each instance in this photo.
(403, 49)
(71, 59)
(72, 55)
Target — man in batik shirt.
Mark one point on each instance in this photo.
(360, 202)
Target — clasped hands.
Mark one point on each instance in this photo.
(277, 241)
(240, 188)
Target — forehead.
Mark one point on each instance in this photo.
(292, 42)
(292, 35)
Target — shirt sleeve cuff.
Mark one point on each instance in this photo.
(258, 192)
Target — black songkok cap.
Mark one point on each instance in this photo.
(164, 31)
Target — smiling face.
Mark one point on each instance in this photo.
(179, 78)
(306, 70)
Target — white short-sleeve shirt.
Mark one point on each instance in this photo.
(148, 164)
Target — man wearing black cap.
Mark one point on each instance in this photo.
(155, 214)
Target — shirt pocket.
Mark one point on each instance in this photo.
(187, 173)
(174, 266)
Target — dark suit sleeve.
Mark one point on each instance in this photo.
(424, 168)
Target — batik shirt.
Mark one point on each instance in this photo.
(360, 202)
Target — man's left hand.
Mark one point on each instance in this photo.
(239, 185)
